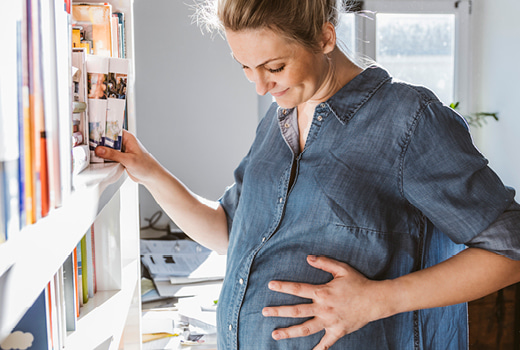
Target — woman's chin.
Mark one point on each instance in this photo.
(284, 103)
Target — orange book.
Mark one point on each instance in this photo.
(28, 176)
(44, 175)
(50, 294)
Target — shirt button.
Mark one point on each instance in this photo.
(284, 111)
(263, 239)
(322, 105)
(230, 327)
(281, 200)
(287, 125)
(241, 281)
(320, 118)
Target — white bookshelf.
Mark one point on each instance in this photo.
(103, 196)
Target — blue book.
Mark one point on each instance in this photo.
(32, 332)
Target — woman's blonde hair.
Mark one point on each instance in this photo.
(300, 21)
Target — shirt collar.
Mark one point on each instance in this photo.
(349, 99)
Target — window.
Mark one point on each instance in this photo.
(423, 42)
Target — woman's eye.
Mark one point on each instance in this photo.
(277, 70)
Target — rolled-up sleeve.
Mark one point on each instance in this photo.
(231, 197)
(503, 235)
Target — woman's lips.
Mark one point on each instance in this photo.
(279, 93)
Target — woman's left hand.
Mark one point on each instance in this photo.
(343, 305)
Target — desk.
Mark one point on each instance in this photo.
(174, 319)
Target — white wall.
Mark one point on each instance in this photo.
(196, 112)
(496, 47)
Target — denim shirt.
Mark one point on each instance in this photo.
(389, 182)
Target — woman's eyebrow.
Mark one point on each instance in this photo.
(261, 64)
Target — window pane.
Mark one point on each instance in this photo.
(418, 48)
(346, 33)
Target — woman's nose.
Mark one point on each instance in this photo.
(263, 84)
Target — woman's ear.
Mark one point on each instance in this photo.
(328, 42)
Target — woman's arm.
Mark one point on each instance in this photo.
(202, 220)
(350, 300)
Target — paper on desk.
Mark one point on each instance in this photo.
(184, 246)
(199, 311)
(166, 289)
(158, 322)
(213, 268)
(169, 260)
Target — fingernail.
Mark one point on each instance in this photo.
(100, 151)
(276, 336)
(312, 257)
(265, 312)
(273, 285)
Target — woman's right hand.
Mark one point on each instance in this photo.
(139, 163)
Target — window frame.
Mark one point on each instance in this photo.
(366, 35)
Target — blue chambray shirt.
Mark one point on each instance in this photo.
(389, 182)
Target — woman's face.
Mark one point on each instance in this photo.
(288, 71)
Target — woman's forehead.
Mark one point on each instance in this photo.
(259, 45)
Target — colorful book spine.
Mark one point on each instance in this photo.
(37, 112)
(79, 267)
(84, 269)
(90, 263)
(29, 206)
(51, 160)
(76, 279)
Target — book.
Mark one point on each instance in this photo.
(10, 94)
(20, 100)
(3, 229)
(96, 23)
(121, 33)
(97, 79)
(64, 86)
(26, 128)
(79, 267)
(40, 198)
(9, 199)
(10, 26)
(33, 330)
(93, 239)
(89, 239)
(84, 269)
(76, 279)
(69, 291)
(116, 104)
(60, 307)
(51, 159)
(52, 314)
(115, 36)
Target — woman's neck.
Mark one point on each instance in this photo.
(341, 70)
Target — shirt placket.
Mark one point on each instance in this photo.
(242, 275)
